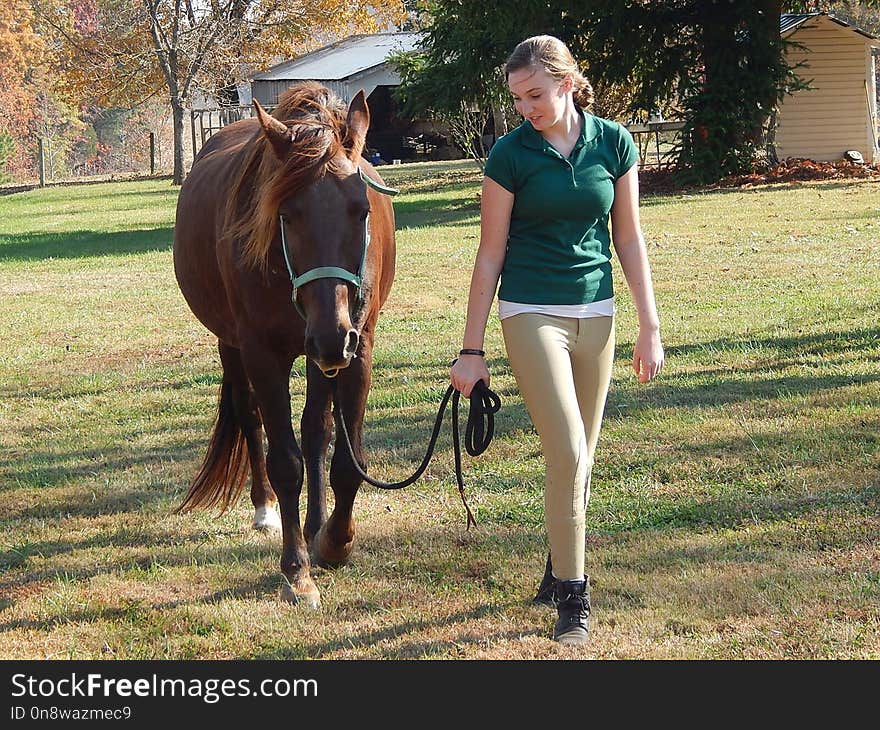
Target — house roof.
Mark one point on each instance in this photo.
(342, 59)
(789, 21)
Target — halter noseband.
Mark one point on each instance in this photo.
(333, 272)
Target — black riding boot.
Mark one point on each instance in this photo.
(544, 596)
(573, 605)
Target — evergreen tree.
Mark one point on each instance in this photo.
(723, 61)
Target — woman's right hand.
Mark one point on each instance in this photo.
(466, 371)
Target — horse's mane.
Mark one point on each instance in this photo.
(317, 119)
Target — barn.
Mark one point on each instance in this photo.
(347, 66)
(839, 112)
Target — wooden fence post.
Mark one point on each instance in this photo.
(42, 162)
(192, 129)
(152, 153)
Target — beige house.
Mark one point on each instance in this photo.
(839, 112)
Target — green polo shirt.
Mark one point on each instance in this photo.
(559, 246)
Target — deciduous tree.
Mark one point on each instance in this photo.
(128, 50)
(21, 53)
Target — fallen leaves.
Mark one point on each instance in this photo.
(793, 169)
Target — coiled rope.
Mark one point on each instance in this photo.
(484, 404)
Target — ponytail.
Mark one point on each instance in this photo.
(553, 55)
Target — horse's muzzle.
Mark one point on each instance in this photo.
(334, 352)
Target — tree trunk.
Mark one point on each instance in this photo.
(178, 114)
(768, 52)
(720, 61)
(499, 121)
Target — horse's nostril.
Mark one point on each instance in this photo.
(351, 343)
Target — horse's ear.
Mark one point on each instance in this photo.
(276, 132)
(356, 126)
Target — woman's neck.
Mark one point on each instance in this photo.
(563, 135)
(568, 127)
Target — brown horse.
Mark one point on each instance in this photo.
(264, 192)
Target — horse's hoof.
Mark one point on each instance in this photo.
(328, 554)
(267, 519)
(304, 593)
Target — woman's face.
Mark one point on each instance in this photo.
(538, 97)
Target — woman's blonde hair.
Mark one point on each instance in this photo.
(555, 58)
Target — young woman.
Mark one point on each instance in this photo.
(551, 186)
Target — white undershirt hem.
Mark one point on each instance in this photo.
(602, 308)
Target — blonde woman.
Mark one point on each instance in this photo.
(558, 192)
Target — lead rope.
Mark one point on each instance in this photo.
(484, 404)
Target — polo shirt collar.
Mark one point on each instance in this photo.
(590, 131)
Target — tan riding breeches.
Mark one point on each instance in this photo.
(563, 368)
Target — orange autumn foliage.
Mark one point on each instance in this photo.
(22, 51)
(120, 52)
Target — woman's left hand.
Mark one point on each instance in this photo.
(648, 356)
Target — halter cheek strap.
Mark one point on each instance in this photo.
(376, 186)
(324, 272)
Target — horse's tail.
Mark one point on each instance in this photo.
(224, 471)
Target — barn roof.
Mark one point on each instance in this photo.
(342, 59)
(789, 21)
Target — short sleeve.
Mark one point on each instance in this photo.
(627, 154)
(499, 165)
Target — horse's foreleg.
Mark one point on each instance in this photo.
(269, 377)
(315, 430)
(248, 417)
(332, 546)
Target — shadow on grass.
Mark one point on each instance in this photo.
(141, 195)
(411, 650)
(44, 469)
(730, 511)
(734, 504)
(429, 178)
(75, 184)
(19, 555)
(460, 211)
(134, 612)
(61, 392)
(106, 198)
(822, 343)
(168, 550)
(413, 558)
(406, 436)
(625, 401)
(81, 244)
(762, 380)
(772, 520)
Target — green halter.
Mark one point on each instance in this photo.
(333, 272)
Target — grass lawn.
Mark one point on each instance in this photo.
(735, 500)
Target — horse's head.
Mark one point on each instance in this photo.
(321, 214)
